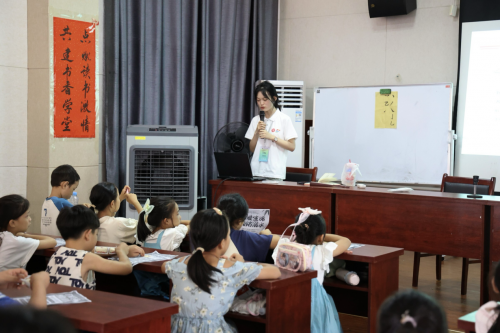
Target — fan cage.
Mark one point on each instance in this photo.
(163, 171)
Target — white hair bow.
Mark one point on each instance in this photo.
(306, 212)
(147, 209)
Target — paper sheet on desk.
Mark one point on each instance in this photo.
(354, 246)
(257, 220)
(149, 257)
(60, 242)
(71, 297)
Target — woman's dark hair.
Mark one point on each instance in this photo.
(235, 207)
(207, 230)
(495, 327)
(164, 208)
(73, 221)
(269, 92)
(64, 173)
(313, 227)
(102, 195)
(23, 319)
(11, 208)
(427, 314)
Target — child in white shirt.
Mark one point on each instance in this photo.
(106, 200)
(487, 315)
(64, 180)
(159, 227)
(311, 230)
(16, 246)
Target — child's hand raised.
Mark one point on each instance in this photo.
(126, 190)
(131, 198)
(135, 251)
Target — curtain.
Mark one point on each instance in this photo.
(183, 62)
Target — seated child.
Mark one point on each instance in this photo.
(64, 180)
(311, 230)
(74, 264)
(160, 225)
(487, 315)
(12, 278)
(16, 246)
(252, 246)
(411, 311)
(204, 284)
(106, 200)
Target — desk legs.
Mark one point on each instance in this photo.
(383, 281)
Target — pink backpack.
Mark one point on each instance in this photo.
(293, 256)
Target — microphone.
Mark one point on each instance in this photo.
(262, 114)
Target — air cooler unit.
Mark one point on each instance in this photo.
(292, 97)
(163, 161)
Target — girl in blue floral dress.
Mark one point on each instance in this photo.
(204, 285)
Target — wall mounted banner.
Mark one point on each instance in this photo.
(74, 79)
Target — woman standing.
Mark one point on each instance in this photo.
(272, 138)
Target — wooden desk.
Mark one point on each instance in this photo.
(468, 322)
(111, 312)
(366, 298)
(422, 221)
(288, 298)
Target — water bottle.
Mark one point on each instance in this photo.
(74, 199)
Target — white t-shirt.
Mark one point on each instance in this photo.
(15, 251)
(323, 256)
(117, 230)
(279, 125)
(50, 211)
(486, 316)
(171, 240)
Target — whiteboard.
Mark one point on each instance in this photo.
(417, 152)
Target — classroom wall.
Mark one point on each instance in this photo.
(334, 43)
(13, 96)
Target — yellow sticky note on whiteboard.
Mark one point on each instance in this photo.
(386, 110)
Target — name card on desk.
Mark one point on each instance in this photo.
(257, 220)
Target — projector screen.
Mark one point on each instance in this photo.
(478, 113)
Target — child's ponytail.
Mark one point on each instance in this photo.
(164, 207)
(142, 229)
(207, 230)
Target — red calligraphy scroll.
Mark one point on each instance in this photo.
(74, 79)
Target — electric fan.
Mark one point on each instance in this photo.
(231, 139)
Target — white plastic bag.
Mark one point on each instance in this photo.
(251, 302)
(349, 174)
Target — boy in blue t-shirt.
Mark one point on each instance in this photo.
(64, 181)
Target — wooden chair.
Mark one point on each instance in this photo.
(301, 174)
(456, 185)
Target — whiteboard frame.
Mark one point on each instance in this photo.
(451, 138)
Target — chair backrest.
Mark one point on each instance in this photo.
(464, 185)
(301, 174)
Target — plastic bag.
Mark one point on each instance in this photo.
(349, 174)
(251, 302)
